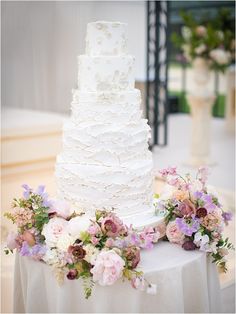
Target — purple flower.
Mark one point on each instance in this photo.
(37, 251)
(188, 225)
(25, 249)
(227, 216)
(198, 194)
(27, 191)
(41, 191)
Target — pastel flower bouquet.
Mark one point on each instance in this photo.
(194, 216)
(212, 40)
(102, 249)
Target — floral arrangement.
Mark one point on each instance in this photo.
(212, 40)
(194, 216)
(102, 249)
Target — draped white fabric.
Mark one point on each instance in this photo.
(187, 282)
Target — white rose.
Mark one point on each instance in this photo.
(64, 242)
(220, 56)
(77, 225)
(186, 32)
(53, 230)
(91, 253)
(200, 49)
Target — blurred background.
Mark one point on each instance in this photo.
(40, 44)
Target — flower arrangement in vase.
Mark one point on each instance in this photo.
(211, 40)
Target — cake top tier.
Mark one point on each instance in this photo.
(106, 39)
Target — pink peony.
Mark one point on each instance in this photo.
(61, 208)
(112, 225)
(173, 233)
(53, 230)
(108, 268)
(11, 241)
(187, 208)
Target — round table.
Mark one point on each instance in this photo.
(187, 282)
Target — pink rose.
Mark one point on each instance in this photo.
(173, 233)
(138, 283)
(132, 255)
(53, 230)
(61, 208)
(11, 241)
(112, 225)
(201, 31)
(94, 229)
(94, 240)
(187, 208)
(161, 228)
(108, 268)
(109, 242)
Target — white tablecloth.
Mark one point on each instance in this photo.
(186, 282)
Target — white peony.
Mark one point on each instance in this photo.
(220, 56)
(52, 231)
(91, 253)
(77, 225)
(64, 242)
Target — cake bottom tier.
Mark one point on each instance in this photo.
(128, 191)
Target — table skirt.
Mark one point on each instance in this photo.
(187, 282)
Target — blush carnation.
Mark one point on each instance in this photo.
(174, 234)
(108, 268)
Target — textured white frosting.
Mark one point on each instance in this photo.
(103, 73)
(106, 38)
(105, 162)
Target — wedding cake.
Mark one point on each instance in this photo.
(105, 162)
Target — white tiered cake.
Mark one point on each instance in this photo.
(105, 163)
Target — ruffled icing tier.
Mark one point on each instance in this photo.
(90, 187)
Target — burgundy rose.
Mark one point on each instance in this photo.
(112, 226)
(189, 245)
(186, 208)
(77, 251)
(72, 274)
(201, 212)
(132, 254)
